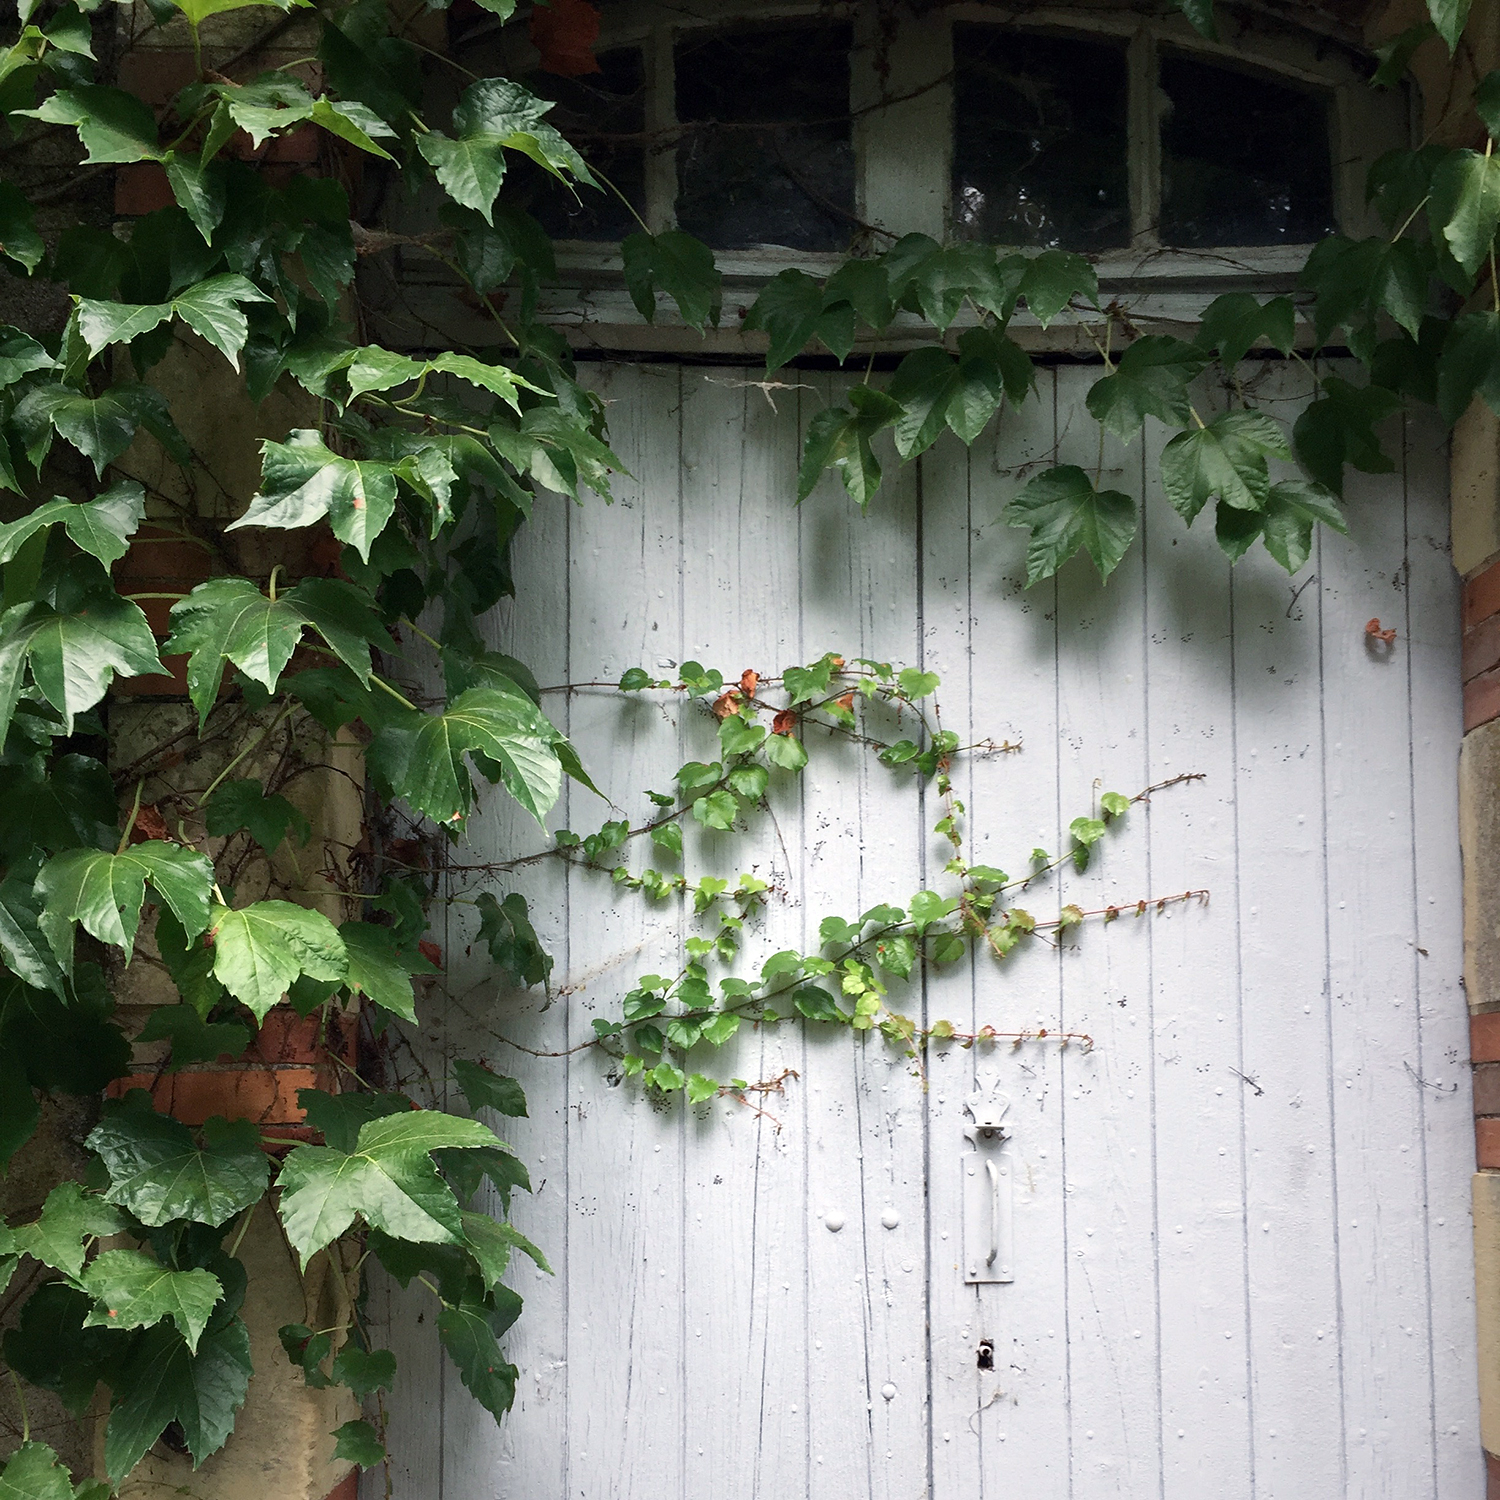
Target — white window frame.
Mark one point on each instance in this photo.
(903, 154)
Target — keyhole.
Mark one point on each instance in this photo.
(986, 1354)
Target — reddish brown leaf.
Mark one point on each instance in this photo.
(431, 952)
(785, 722)
(749, 681)
(726, 704)
(1373, 630)
(149, 824)
(564, 32)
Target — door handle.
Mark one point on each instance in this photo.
(987, 1196)
(994, 1176)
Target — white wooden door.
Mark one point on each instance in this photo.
(1242, 1243)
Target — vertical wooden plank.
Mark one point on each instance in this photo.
(484, 1018)
(1373, 1026)
(1199, 1095)
(1431, 631)
(1104, 740)
(1282, 943)
(953, 1377)
(1016, 1414)
(867, 1315)
(626, 1402)
(746, 1220)
(402, 1321)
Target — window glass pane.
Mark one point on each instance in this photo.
(1039, 139)
(766, 157)
(594, 111)
(1244, 161)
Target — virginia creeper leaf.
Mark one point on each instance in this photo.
(159, 1173)
(165, 1382)
(134, 1290)
(105, 892)
(1065, 512)
(260, 949)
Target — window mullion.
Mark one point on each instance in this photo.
(1145, 140)
(902, 150)
(661, 118)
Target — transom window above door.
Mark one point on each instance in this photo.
(818, 131)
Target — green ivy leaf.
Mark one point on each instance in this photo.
(244, 804)
(75, 648)
(677, 264)
(164, 1382)
(230, 620)
(497, 115)
(1226, 458)
(100, 428)
(1356, 280)
(351, 121)
(20, 354)
(421, 755)
(33, 1472)
(193, 1040)
(1465, 204)
(105, 892)
(840, 439)
(469, 1333)
(364, 1371)
(102, 526)
(159, 1173)
(303, 480)
(134, 1290)
(1396, 55)
(1236, 322)
(358, 1442)
(70, 1219)
(486, 1090)
(789, 311)
(379, 970)
(19, 239)
(1469, 364)
(113, 126)
(1286, 524)
(388, 1180)
(1053, 279)
(1450, 18)
(200, 188)
(717, 809)
(1065, 512)
(1339, 429)
(26, 952)
(340, 1117)
(505, 929)
(260, 949)
(786, 751)
(1150, 379)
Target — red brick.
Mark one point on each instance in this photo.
(347, 1488)
(1482, 596)
(286, 1037)
(266, 1095)
(142, 188)
(1487, 1089)
(1491, 1479)
(1481, 699)
(157, 74)
(1487, 1143)
(1484, 1038)
(1481, 649)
